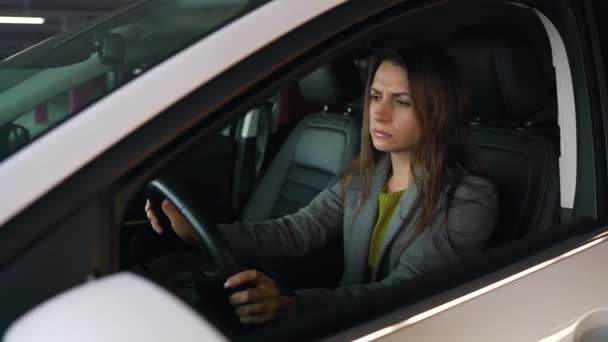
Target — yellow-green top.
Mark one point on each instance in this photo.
(387, 202)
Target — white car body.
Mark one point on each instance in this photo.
(549, 311)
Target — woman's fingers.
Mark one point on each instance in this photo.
(255, 309)
(258, 304)
(171, 211)
(177, 222)
(257, 319)
(152, 218)
(175, 217)
(249, 276)
(262, 308)
(180, 225)
(156, 226)
(252, 295)
(168, 207)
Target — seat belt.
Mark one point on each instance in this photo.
(255, 125)
(261, 141)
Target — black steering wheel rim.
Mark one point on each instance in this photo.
(211, 238)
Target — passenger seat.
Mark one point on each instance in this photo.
(317, 149)
(311, 159)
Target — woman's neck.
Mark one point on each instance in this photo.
(401, 173)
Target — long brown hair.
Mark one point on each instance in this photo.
(444, 154)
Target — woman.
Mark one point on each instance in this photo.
(413, 201)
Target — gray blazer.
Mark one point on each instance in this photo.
(471, 218)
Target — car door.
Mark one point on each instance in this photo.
(61, 229)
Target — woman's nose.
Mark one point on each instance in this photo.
(382, 111)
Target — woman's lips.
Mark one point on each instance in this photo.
(380, 134)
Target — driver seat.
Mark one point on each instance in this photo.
(514, 125)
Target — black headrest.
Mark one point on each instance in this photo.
(502, 70)
(333, 84)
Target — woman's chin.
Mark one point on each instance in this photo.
(383, 147)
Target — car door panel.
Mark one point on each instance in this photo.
(61, 258)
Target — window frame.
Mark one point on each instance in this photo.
(40, 223)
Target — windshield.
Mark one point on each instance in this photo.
(50, 82)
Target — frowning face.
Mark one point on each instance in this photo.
(393, 124)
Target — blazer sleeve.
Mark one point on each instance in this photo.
(470, 221)
(291, 235)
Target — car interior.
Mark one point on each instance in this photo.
(288, 134)
(274, 158)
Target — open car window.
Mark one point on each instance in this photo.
(301, 178)
(44, 85)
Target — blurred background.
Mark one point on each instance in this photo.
(24, 23)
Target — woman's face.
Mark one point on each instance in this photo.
(392, 121)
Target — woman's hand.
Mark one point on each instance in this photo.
(180, 225)
(261, 303)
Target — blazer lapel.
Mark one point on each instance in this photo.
(365, 221)
(402, 215)
(401, 218)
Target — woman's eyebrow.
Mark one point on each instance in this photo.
(405, 93)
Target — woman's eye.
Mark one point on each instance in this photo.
(376, 98)
(404, 103)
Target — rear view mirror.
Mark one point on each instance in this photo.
(112, 49)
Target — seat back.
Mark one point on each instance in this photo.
(514, 126)
(317, 149)
(310, 160)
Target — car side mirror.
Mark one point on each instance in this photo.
(119, 307)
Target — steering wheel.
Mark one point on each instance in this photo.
(212, 240)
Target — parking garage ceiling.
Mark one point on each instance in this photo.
(59, 15)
